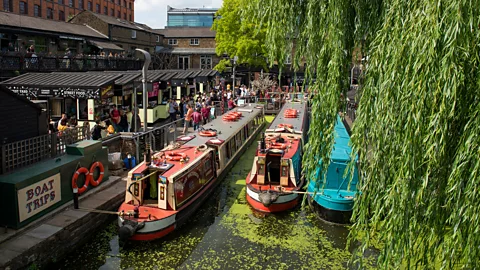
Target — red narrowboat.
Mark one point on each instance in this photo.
(164, 191)
(275, 180)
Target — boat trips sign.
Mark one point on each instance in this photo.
(38, 197)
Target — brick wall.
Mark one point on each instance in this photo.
(185, 43)
(123, 7)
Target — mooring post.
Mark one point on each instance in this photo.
(75, 198)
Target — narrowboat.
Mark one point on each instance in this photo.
(332, 195)
(166, 189)
(275, 180)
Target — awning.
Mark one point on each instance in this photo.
(105, 46)
(193, 51)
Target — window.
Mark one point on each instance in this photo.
(105, 10)
(23, 8)
(172, 42)
(118, 2)
(112, 13)
(183, 62)
(124, 3)
(60, 2)
(118, 14)
(71, 3)
(89, 6)
(7, 5)
(205, 61)
(124, 16)
(130, 17)
(130, 5)
(80, 4)
(194, 41)
(37, 11)
(98, 8)
(134, 34)
(49, 13)
(61, 15)
(158, 38)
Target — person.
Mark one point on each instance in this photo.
(198, 104)
(123, 125)
(63, 124)
(182, 111)
(197, 118)
(172, 109)
(64, 116)
(136, 121)
(97, 131)
(188, 118)
(231, 104)
(115, 115)
(73, 121)
(205, 113)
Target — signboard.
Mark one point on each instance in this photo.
(38, 197)
(154, 93)
(62, 92)
(107, 92)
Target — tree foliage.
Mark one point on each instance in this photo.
(237, 36)
(417, 123)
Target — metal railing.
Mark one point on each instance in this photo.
(351, 110)
(22, 153)
(53, 63)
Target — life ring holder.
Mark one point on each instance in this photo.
(202, 148)
(281, 146)
(284, 125)
(92, 170)
(76, 174)
(207, 133)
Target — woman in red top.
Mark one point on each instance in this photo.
(231, 104)
(205, 113)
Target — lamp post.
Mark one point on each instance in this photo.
(235, 59)
(148, 59)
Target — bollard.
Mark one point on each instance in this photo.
(75, 198)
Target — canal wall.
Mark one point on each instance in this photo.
(54, 237)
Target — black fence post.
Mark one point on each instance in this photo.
(4, 159)
(53, 144)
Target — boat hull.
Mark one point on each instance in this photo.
(285, 201)
(330, 215)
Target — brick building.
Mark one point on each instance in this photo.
(62, 10)
(191, 47)
(125, 34)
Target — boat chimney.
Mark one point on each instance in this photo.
(148, 155)
(262, 143)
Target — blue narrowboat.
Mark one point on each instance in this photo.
(332, 196)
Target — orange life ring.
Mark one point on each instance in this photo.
(284, 125)
(278, 145)
(92, 170)
(175, 156)
(237, 114)
(206, 133)
(229, 118)
(82, 170)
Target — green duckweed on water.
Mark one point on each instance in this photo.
(226, 234)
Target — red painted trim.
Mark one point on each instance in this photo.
(274, 207)
(153, 235)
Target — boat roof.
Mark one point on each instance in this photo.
(341, 148)
(227, 129)
(298, 122)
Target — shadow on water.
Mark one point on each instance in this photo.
(225, 233)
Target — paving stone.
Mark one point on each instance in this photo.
(44, 231)
(6, 255)
(61, 220)
(75, 213)
(93, 203)
(22, 243)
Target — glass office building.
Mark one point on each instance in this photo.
(190, 17)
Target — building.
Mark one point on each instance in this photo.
(25, 118)
(18, 32)
(190, 17)
(128, 35)
(191, 47)
(62, 10)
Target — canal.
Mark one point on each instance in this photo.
(226, 234)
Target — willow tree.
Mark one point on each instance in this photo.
(418, 121)
(237, 36)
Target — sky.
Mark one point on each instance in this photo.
(154, 12)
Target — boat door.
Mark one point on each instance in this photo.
(162, 192)
(273, 164)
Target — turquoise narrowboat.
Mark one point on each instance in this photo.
(332, 196)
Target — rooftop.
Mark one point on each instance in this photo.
(119, 22)
(8, 19)
(191, 10)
